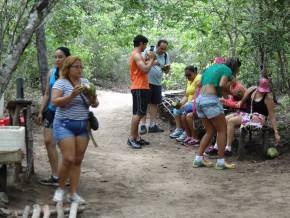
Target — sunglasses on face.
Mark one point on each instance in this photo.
(77, 66)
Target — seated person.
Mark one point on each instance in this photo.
(259, 105)
(188, 124)
(186, 102)
(237, 91)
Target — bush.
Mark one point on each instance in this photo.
(175, 78)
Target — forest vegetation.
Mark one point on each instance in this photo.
(101, 33)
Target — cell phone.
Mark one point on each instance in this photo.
(152, 48)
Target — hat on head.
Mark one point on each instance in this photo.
(263, 85)
(219, 60)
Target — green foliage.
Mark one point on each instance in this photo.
(101, 33)
(175, 78)
(285, 103)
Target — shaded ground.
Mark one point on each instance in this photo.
(158, 181)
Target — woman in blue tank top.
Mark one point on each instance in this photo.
(46, 115)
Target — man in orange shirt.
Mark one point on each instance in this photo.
(139, 88)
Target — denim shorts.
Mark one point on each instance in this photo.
(67, 128)
(187, 108)
(208, 106)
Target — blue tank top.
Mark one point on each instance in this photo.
(53, 77)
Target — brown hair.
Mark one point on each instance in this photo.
(234, 64)
(68, 62)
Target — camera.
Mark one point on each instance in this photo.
(152, 48)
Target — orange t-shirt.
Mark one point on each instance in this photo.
(138, 77)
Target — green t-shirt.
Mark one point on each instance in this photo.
(213, 74)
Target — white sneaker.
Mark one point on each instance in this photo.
(76, 198)
(58, 195)
(176, 133)
(181, 137)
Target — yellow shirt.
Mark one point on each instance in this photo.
(192, 87)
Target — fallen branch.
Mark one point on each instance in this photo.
(36, 211)
(59, 209)
(46, 211)
(26, 211)
(73, 210)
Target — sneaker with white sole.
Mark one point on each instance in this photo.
(182, 137)
(155, 129)
(202, 163)
(193, 142)
(52, 180)
(224, 166)
(187, 139)
(176, 133)
(58, 195)
(77, 199)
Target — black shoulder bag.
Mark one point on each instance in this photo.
(93, 121)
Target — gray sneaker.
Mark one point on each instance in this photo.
(176, 133)
(155, 128)
(143, 130)
(76, 198)
(134, 144)
(181, 137)
(49, 181)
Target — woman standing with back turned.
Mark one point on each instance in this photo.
(215, 82)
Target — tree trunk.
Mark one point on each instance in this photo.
(35, 17)
(281, 72)
(42, 56)
(262, 62)
(287, 80)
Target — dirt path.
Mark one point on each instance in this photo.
(158, 181)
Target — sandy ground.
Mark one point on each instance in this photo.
(158, 181)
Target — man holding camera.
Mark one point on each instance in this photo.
(161, 65)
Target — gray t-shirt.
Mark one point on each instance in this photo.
(155, 74)
(76, 109)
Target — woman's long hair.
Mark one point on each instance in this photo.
(234, 64)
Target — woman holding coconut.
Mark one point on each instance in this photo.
(70, 124)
